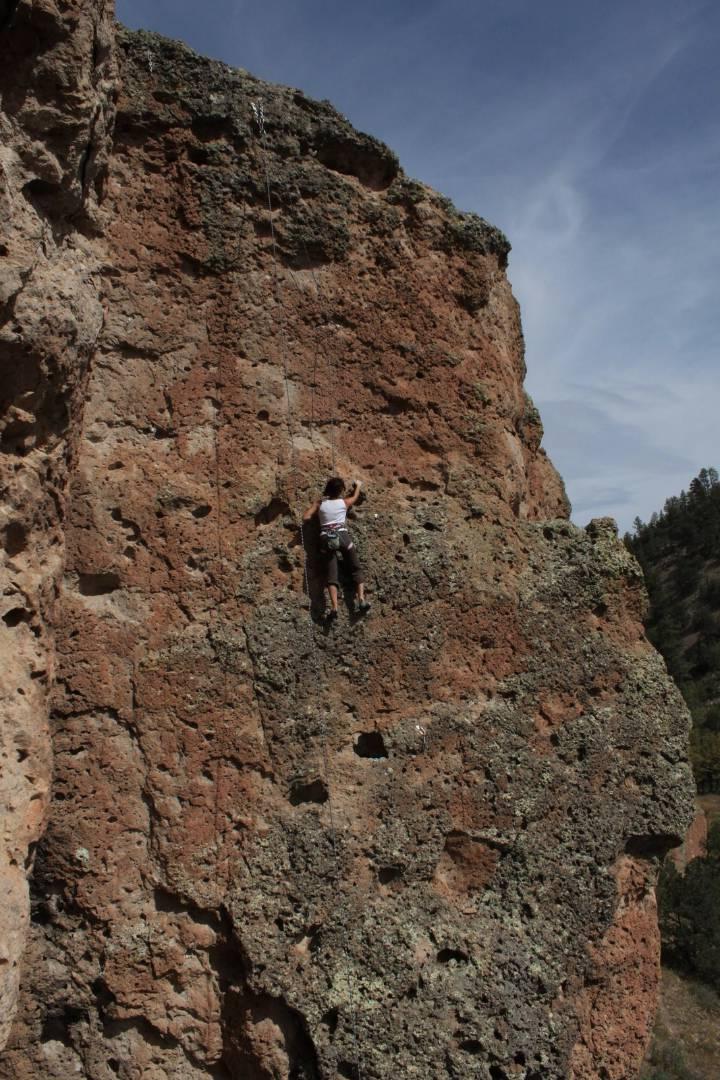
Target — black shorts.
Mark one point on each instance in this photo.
(349, 554)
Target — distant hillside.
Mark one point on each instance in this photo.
(679, 551)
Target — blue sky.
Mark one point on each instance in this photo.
(590, 133)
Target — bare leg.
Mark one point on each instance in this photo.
(362, 605)
(350, 556)
(332, 589)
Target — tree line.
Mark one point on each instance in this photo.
(679, 552)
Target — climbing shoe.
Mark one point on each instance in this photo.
(363, 607)
(331, 615)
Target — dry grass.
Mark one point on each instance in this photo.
(686, 1041)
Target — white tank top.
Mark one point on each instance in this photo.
(332, 513)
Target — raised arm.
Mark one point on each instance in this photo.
(352, 499)
(311, 510)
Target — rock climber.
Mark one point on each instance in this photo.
(335, 539)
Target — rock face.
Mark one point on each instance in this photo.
(694, 845)
(419, 845)
(56, 86)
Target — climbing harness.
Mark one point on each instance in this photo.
(259, 118)
(331, 538)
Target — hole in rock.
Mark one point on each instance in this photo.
(58, 1023)
(370, 744)
(446, 955)
(371, 163)
(263, 415)
(21, 755)
(386, 874)
(275, 508)
(41, 913)
(29, 858)
(497, 1073)
(651, 845)
(348, 1070)
(314, 791)
(103, 994)
(212, 128)
(330, 1020)
(97, 584)
(419, 485)
(16, 616)
(247, 1018)
(41, 192)
(15, 538)
(199, 155)
(201, 511)
(471, 1046)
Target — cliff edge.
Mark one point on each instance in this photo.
(423, 844)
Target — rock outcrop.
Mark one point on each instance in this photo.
(694, 845)
(56, 88)
(420, 845)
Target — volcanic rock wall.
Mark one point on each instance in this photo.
(56, 87)
(419, 845)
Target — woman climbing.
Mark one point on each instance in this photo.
(335, 539)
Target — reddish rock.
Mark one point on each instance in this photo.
(413, 845)
(620, 993)
(694, 845)
(56, 95)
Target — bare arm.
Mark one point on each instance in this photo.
(311, 510)
(352, 499)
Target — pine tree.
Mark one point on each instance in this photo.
(679, 551)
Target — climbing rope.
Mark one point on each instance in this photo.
(259, 118)
(221, 579)
(332, 364)
(328, 417)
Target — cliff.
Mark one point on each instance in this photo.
(423, 844)
(56, 87)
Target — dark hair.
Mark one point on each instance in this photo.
(334, 488)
